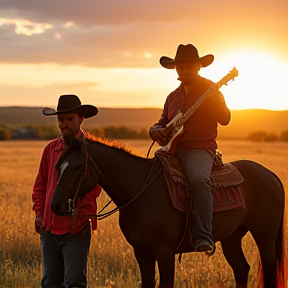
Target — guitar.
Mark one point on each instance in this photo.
(180, 118)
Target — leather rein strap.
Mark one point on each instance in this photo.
(150, 178)
(72, 202)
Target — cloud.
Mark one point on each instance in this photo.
(131, 33)
(25, 27)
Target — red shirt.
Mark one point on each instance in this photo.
(43, 192)
(200, 130)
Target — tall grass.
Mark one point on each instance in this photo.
(111, 260)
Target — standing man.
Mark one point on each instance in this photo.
(197, 146)
(65, 241)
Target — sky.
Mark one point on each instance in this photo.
(107, 51)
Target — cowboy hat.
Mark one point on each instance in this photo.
(186, 53)
(71, 104)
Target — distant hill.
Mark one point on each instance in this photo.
(243, 122)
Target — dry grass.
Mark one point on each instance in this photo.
(111, 261)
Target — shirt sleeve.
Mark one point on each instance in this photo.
(40, 186)
(163, 121)
(222, 112)
(91, 199)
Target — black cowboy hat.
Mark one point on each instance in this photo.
(186, 53)
(71, 104)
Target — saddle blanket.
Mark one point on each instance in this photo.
(224, 182)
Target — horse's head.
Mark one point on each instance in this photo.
(77, 176)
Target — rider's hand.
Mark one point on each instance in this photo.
(161, 135)
(39, 228)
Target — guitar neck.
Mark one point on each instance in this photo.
(198, 103)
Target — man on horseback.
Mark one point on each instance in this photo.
(196, 147)
(65, 240)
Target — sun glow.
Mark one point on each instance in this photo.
(261, 83)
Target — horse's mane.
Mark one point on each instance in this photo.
(111, 142)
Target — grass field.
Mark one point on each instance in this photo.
(111, 261)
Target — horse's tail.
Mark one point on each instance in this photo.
(281, 256)
(281, 253)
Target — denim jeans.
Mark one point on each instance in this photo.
(198, 165)
(65, 259)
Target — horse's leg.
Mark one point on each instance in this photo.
(264, 229)
(146, 262)
(234, 255)
(166, 265)
(266, 246)
(268, 259)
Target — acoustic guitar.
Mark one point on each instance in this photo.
(180, 118)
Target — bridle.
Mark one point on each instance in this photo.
(72, 207)
(72, 202)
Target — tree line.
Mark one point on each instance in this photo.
(49, 132)
(264, 136)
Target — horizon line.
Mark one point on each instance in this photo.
(142, 108)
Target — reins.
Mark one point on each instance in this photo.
(100, 216)
(71, 202)
(150, 149)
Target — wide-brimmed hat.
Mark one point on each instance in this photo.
(71, 104)
(186, 53)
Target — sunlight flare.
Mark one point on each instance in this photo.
(262, 81)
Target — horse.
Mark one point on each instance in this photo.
(154, 227)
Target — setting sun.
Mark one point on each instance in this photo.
(261, 83)
(111, 58)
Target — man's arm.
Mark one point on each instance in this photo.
(90, 199)
(221, 112)
(159, 132)
(39, 193)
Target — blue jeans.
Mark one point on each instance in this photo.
(198, 165)
(65, 259)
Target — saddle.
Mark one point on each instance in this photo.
(224, 183)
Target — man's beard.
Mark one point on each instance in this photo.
(186, 80)
(68, 137)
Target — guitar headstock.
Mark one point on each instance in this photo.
(230, 76)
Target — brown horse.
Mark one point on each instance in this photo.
(152, 225)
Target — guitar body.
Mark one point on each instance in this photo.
(180, 118)
(178, 130)
(171, 145)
